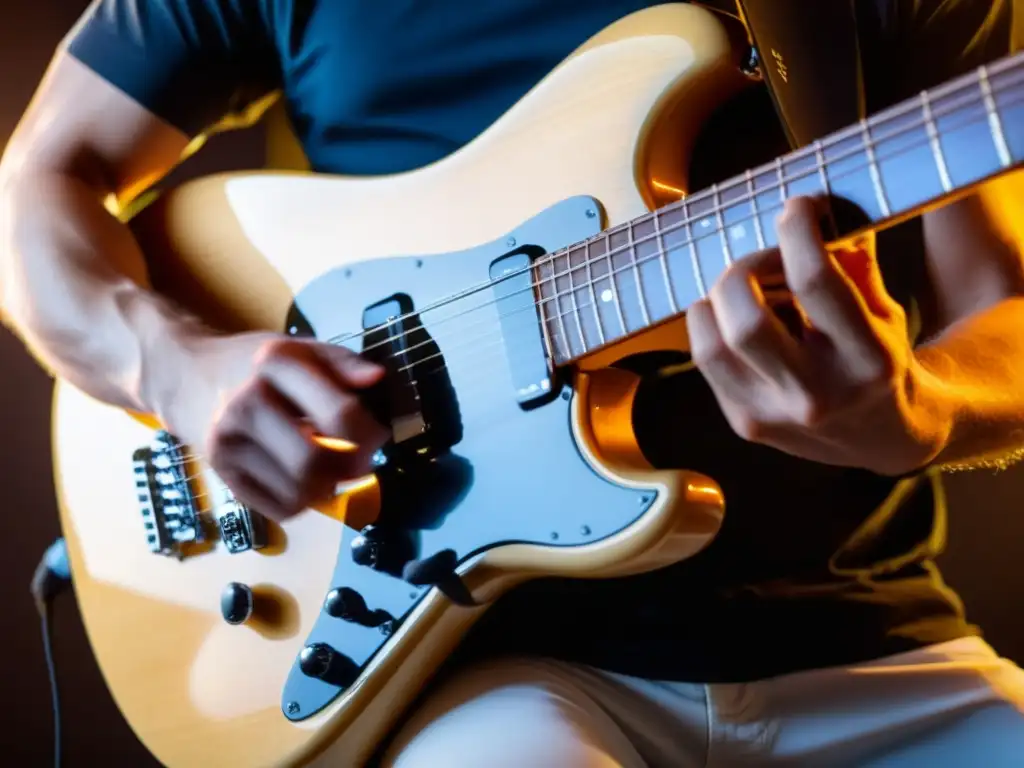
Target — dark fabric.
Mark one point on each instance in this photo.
(815, 565)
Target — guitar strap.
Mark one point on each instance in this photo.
(809, 55)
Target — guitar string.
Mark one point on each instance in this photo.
(779, 182)
(576, 310)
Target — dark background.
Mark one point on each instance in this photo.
(986, 526)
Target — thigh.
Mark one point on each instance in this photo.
(991, 736)
(511, 714)
(544, 714)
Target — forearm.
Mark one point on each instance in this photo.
(73, 286)
(974, 377)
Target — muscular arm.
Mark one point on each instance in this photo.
(72, 277)
(975, 352)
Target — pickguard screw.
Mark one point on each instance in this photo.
(585, 530)
(293, 707)
(510, 242)
(554, 535)
(566, 395)
(348, 273)
(419, 263)
(644, 499)
(591, 213)
(387, 628)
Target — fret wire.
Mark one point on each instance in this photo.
(780, 177)
(783, 179)
(724, 235)
(558, 308)
(663, 258)
(819, 156)
(611, 280)
(694, 258)
(546, 330)
(752, 194)
(593, 294)
(936, 143)
(876, 175)
(994, 122)
(572, 298)
(636, 273)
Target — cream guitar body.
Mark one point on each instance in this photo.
(498, 285)
(516, 469)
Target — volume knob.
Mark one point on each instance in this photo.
(322, 662)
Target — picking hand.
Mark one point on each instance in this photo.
(845, 388)
(261, 399)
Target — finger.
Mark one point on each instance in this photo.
(319, 397)
(752, 331)
(255, 478)
(352, 370)
(826, 295)
(723, 370)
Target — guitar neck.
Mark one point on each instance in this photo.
(892, 166)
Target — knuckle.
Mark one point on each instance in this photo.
(273, 350)
(746, 426)
(808, 410)
(749, 333)
(814, 281)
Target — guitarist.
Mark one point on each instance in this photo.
(740, 656)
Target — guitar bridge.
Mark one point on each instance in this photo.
(172, 520)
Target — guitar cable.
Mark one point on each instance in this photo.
(52, 576)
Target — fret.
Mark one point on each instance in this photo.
(819, 158)
(609, 306)
(562, 269)
(694, 257)
(935, 142)
(577, 261)
(780, 176)
(554, 329)
(642, 299)
(716, 197)
(876, 174)
(755, 213)
(593, 297)
(674, 235)
(994, 121)
(663, 261)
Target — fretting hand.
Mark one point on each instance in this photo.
(844, 388)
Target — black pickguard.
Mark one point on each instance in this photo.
(514, 473)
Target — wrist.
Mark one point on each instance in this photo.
(169, 344)
(931, 415)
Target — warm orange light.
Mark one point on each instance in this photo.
(663, 187)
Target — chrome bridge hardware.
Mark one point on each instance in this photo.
(172, 521)
(166, 503)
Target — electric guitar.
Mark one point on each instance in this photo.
(498, 286)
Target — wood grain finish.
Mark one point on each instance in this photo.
(236, 248)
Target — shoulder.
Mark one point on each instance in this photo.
(189, 61)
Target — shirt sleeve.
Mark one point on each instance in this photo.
(190, 62)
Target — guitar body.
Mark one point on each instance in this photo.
(553, 486)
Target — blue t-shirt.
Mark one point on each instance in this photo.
(813, 566)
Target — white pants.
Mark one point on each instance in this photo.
(954, 704)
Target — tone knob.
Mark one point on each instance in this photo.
(322, 662)
(236, 603)
(345, 603)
